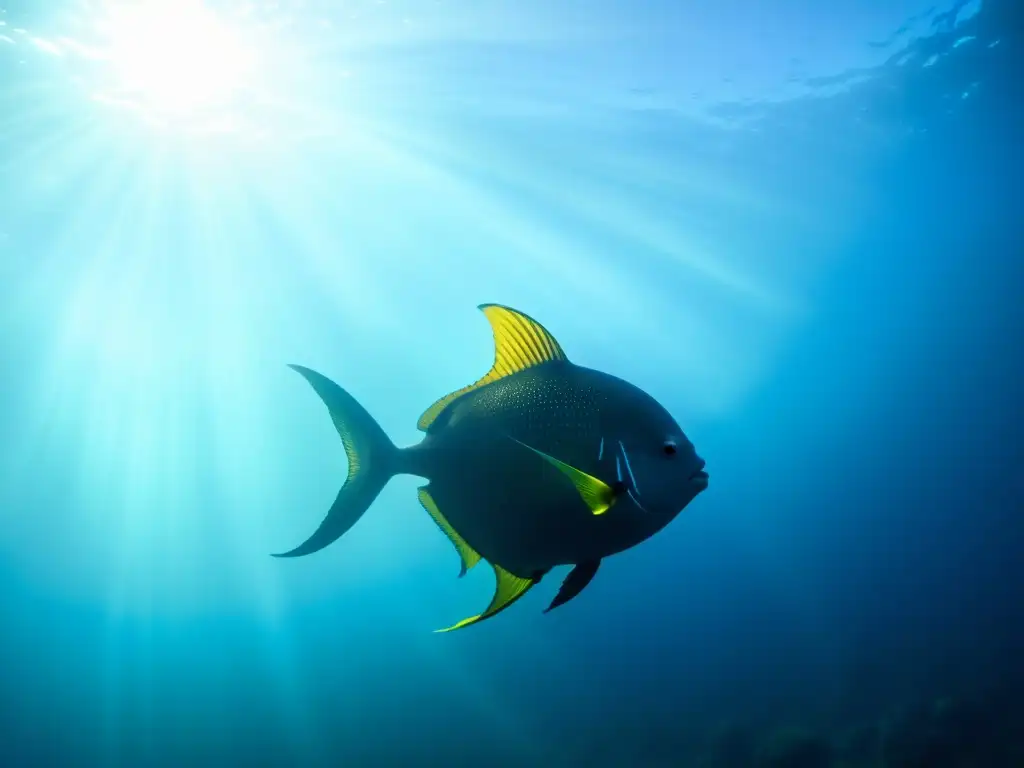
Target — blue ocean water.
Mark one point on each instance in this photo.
(795, 224)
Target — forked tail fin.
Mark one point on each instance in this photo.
(372, 461)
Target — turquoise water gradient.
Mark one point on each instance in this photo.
(723, 203)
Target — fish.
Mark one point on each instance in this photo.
(540, 463)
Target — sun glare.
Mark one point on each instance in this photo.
(174, 58)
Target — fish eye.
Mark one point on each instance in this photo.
(669, 448)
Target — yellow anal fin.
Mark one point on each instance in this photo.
(508, 589)
(467, 554)
(520, 342)
(596, 494)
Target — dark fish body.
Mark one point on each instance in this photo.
(514, 510)
(538, 464)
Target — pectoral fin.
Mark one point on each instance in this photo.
(574, 583)
(597, 495)
(508, 589)
(467, 554)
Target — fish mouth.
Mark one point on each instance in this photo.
(699, 477)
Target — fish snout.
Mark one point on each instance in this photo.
(698, 476)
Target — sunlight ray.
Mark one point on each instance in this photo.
(609, 203)
(360, 204)
(221, 272)
(47, 286)
(531, 251)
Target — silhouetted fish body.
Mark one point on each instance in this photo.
(538, 464)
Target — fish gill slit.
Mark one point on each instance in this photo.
(632, 478)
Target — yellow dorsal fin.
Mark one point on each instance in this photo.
(520, 342)
(507, 590)
(467, 554)
(596, 494)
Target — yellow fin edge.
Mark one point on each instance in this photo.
(467, 554)
(520, 342)
(508, 588)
